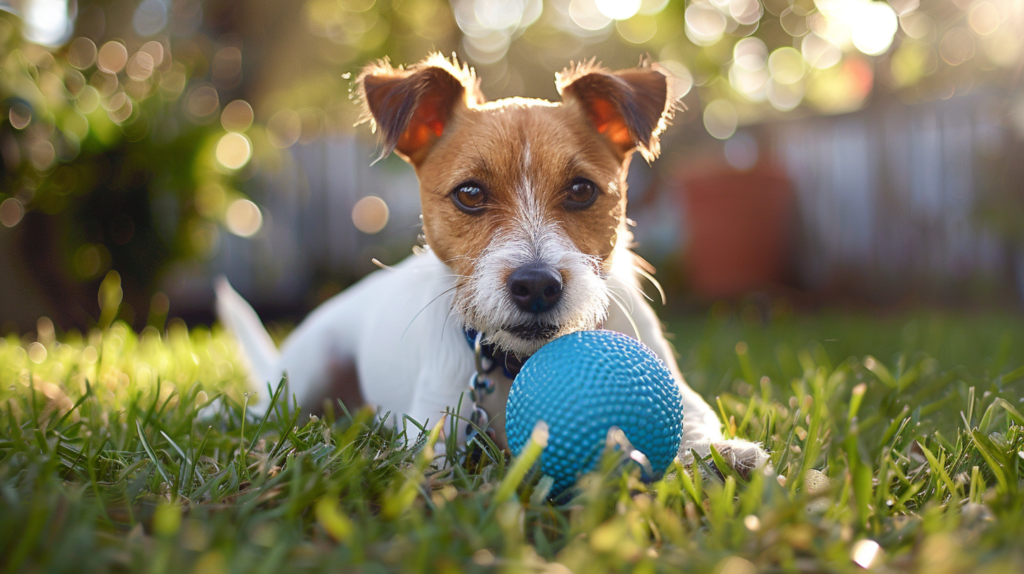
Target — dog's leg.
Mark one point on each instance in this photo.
(701, 426)
(442, 380)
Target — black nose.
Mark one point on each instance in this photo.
(535, 287)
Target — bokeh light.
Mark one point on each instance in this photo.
(47, 22)
(618, 9)
(42, 155)
(873, 26)
(957, 46)
(150, 17)
(37, 352)
(865, 553)
(794, 20)
(19, 115)
(735, 565)
(227, 67)
(741, 151)
(818, 52)
(370, 214)
(652, 7)
(284, 128)
(904, 7)
(783, 96)
(11, 212)
(202, 102)
(82, 53)
(489, 26)
(984, 18)
(233, 150)
(112, 57)
(639, 29)
(748, 73)
(746, 12)
(243, 218)
(705, 25)
(917, 25)
(155, 50)
(721, 118)
(105, 83)
(585, 14)
(119, 107)
(786, 65)
(237, 116)
(140, 66)
(88, 100)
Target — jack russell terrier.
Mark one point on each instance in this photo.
(524, 216)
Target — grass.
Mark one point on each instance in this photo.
(898, 443)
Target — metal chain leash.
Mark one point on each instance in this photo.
(480, 385)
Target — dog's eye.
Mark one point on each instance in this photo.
(469, 197)
(582, 193)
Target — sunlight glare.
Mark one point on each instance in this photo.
(233, 150)
(873, 26)
(865, 552)
(618, 9)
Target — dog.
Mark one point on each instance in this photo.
(526, 239)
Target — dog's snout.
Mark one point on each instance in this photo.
(535, 287)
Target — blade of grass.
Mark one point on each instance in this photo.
(151, 453)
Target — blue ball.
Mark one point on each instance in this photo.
(581, 385)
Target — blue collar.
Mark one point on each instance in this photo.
(510, 363)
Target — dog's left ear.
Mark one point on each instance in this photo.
(629, 107)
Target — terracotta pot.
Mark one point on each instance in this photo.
(740, 227)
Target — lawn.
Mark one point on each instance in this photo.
(898, 441)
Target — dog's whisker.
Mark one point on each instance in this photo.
(445, 322)
(639, 291)
(650, 277)
(629, 316)
(623, 297)
(426, 282)
(429, 303)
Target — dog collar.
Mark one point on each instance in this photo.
(492, 357)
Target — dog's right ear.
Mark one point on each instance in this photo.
(410, 107)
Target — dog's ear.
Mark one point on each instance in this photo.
(629, 107)
(410, 107)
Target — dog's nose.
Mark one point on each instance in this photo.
(535, 287)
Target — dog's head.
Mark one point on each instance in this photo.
(524, 199)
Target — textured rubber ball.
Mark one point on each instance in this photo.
(581, 385)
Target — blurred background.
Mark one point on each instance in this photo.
(833, 153)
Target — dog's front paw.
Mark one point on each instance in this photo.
(743, 456)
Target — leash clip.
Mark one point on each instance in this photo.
(484, 364)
